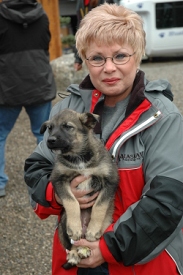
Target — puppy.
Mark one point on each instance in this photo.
(79, 152)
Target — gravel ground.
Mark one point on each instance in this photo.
(25, 240)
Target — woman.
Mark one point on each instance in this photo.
(143, 130)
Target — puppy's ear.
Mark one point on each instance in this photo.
(44, 126)
(89, 119)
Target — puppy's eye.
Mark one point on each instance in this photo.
(68, 127)
(50, 127)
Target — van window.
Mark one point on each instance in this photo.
(169, 15)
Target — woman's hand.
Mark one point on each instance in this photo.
(80, 195)
(95, 259)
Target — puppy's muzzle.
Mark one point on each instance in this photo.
(54, 143)
(51, 142)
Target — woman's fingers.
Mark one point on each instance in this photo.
(86, 202)
(83, 196)
(77, 180)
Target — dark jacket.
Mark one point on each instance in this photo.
(146, 236)
(26, 77)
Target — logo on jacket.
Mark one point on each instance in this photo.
(131, 157)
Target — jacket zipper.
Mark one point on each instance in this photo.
(133, 131)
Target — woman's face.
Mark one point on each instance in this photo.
(114, 81)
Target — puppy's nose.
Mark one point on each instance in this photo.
(51, 140)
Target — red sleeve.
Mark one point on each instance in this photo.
(54, 209)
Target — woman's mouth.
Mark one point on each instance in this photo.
(110, 81)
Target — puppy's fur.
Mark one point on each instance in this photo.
(79, 152)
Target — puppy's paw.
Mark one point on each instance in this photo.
(73, 257)
(83, 252)
(74, 234)
(93, 236)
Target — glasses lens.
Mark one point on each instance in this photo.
(121, 58)
(96, 60)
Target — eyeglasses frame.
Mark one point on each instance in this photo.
(105, 58)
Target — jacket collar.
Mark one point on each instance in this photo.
(86, 84)
(137, 93)
(140, 85)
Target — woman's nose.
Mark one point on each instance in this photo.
(109, 65)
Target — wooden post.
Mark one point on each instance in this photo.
(51, 7)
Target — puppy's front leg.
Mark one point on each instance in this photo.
(72, 209)
(73, 257)
(100, 217)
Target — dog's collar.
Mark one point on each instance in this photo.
(81, 158)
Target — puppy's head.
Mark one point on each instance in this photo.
(68, 130)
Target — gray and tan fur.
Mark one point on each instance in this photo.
(79, 152)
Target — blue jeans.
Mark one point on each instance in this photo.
(8, 116)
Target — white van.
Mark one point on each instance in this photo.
(163, 24)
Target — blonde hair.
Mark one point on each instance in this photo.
(108, 24)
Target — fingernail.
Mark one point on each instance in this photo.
(72, 241)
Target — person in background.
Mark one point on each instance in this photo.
(26, 78)
(82, 8)
(143, 130)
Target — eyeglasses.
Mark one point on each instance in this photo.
(118, 59)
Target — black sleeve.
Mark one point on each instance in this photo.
(37, 171)
(151, 225)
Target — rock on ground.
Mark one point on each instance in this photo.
(64, 72)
